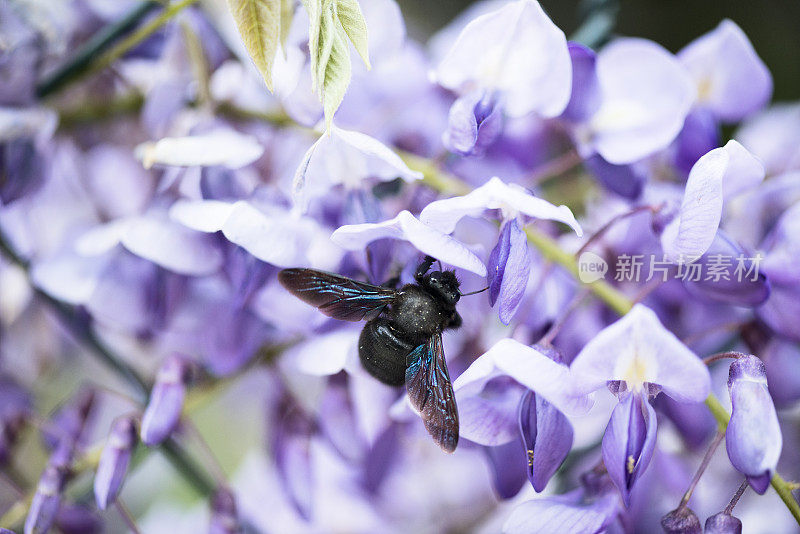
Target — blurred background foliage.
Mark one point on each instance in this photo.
(773, 26)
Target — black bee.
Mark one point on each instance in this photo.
(402, 340)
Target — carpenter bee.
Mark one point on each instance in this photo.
(402, 340)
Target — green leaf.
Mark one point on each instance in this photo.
(287, 14)
(354, 25)
(259, 24)
(331, 24)
(336, 74)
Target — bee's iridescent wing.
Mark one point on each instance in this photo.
(337, 296)
(431, 392)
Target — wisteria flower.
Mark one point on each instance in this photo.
(513, 60)
(510, 260)
(636, 106)
(219, 147)
(753, 437)
(638, 357)
(344, 157)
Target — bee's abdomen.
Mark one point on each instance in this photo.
(383, 352)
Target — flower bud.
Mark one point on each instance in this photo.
(723, 523)
(753, 437)
(114, 461)
(76, 519)
(682, 520)
(166, 400)
(70, 421)
(47, 499)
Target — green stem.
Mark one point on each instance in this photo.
(89, 51)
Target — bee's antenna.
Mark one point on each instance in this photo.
(474, 292)
(439, 264)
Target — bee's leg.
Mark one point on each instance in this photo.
(455, 321)
(423, 268)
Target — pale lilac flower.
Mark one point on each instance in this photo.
(592, 508)
(731, 79)
(515, 392)
(644, 97)
(154, 237)
(639, 351)
(722, 173)
(782, 372)
(347, 158)
(47, 499)
(774, 136)
(753, 437)
(515, 51)
(425, 238)
(638, 357)
(114, 461)
(163, 411)
(510, 260)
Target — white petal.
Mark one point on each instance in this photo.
(720, 173)
(102, 238)
(408, 228)
(646, 95)
(517, 50)
(171, 245)
(201, 215)
(70, 279)
(494, 194)
(222, 147)
(530, 368)
(638, 349)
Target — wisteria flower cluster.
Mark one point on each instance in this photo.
(540, 280)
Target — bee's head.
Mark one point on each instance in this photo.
(444, 285)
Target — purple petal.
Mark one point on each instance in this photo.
(783, 372)
(337, 420)
(753, 438)
(47, 498)
(529, 367)
(547, 437)
(494, 194)
(22, 167)
(720, 174)
(291, 448)
(474, 122)
(722, 523)
(731, 275)
(507, 463)
(646, 95)
(558, 514)
(700, 135)
(425, 238)
(379, 459)
(773, 136)
(629, 441)
(585, 98)
(731, 79)
(114, 461)
(625, 180)
(638, 349)
(489, 415)
(517, 50)
(693, 420)
(15, 407)
(77, 519)
(166, 401)
(509, 267)
(69, 424)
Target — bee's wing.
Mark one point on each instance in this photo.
(337, 296)
(431, 392)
